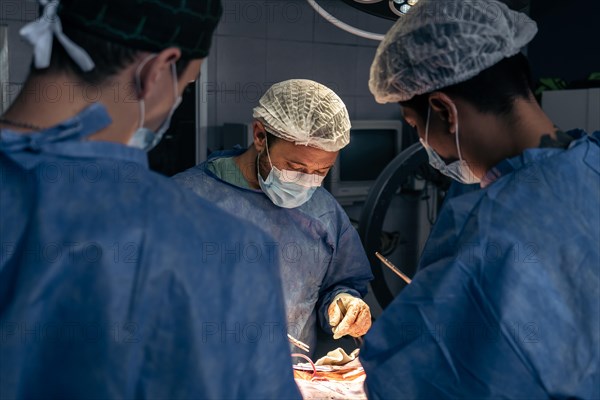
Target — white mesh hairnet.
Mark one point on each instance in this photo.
(305, 112)
(440, 43)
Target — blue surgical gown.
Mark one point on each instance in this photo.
(506, 302)
(319, 250)
(117, 283)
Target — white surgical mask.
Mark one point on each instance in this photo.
(458, 170)
(285, 188)
(145, 138)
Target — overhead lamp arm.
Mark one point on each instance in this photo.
(344, 26)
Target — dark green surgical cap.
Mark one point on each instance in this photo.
(150, 25)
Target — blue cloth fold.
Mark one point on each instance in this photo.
(505, 302)
(319, 250)
(117, 283)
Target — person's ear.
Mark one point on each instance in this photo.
(443, 106)
(259, 135)
(152, 67)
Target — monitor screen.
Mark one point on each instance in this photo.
(369, 152)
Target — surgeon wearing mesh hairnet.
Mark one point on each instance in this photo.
(505, 300)
(299, 128)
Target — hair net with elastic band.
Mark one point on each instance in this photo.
(305, 112)
(441, 43)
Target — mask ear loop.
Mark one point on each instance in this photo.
(258, 157)
(175, 82)
(138, 85)
(457, 141)
(427, 126)
(267, 148)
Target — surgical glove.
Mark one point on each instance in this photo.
(349, 316)
(337, 357)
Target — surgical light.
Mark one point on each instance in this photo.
(402, 7)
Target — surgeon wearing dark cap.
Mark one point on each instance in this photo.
(115, 282)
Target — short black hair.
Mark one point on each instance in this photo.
(271, 139)
(109, 58)
(494, 90)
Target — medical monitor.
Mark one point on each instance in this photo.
(373, 145)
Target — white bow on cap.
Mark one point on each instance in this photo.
(40, 34)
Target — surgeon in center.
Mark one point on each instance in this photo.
(299, 127)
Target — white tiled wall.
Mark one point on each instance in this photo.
(573, 109)
(13, 15)
(260, 42)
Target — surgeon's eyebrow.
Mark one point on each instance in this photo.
(310, 166)
(299, 163)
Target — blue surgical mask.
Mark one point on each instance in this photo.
(285, 188)
(458, 170)
(144, 138)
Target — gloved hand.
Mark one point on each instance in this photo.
(353, 318)
(337, 357)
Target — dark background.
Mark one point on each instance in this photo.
(567, 46)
